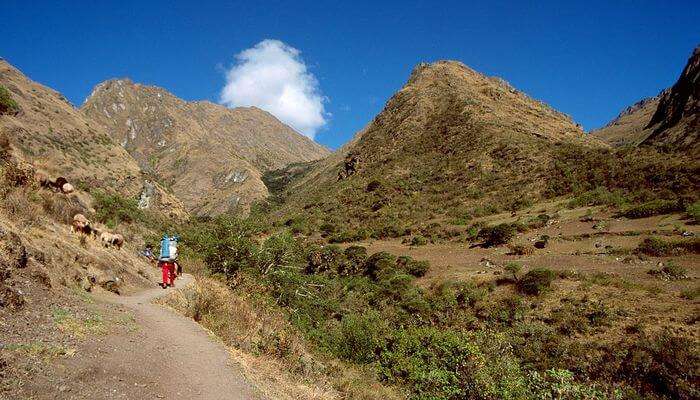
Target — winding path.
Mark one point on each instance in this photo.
(168, 357)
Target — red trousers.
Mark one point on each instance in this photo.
(168, 269)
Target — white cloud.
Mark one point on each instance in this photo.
(272, 76)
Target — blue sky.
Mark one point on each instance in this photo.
(588, 59)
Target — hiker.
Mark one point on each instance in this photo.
(148, 253)
(167, 260)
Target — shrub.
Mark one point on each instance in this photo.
(329, 258)
(360, 337)
(497, 235)
(113, 209)
(372, 186)
(5, 147)
(413, 267)
(419, 240)
(15, 174)
(446, 364)
(599, 196)
(664, 363)
(380, 264)
(279, 251)
(560, 384)
(522, 249)
(536, 281)
(514, 269)
(653, 246)
(693, 211)
(355, 258)
(670, 271)
(7, 104)
(651, 208)
(690, 294)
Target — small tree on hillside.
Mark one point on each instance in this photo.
(514, 268)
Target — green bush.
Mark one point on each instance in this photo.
(670, 271)
(497, 235)
(360, 338)
(514, 268)
(664, 363)
(599, 196)
(657, 247)
(328, 258)
(560, 384)
(444, 364)
(419, 240)
(279, 251)
(7, 104)
(379, 265)
(653, 246)
(413, 267)
(693, 211)
(651, 208)
(690, 294)
(113, 209)
(355, 258)
(536, 281)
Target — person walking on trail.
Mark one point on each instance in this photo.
(148, 253)
(168, 260)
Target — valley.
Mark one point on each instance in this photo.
(469, 242)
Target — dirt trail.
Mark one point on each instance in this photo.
(167, 356)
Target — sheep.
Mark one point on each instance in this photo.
(59, 184)
(112, 239)
(67, 188)
(81, 224)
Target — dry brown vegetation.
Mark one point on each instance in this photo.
(211, 156)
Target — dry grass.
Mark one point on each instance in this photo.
(264, 343)
(20, 205)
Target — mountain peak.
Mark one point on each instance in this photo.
(212, 156)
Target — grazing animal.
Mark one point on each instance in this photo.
(59, 184)
(81, 224)
(112, 239)
(67, 188)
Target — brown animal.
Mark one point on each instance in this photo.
(81, 224)
(59, 184)
(112, 239)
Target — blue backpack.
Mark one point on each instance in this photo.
(165, 248)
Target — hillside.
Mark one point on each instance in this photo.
(48, 132)
(669, 121)
(676, 122)
(628, 128)
(450, 141)
(212, 157)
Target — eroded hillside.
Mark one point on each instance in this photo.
(669, 121)
(212, 157)
(49, 133)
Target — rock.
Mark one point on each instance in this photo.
(23, 257)
(86, 284)
(42, 277)
(111, 284)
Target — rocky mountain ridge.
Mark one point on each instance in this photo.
(670, 121)
(212, 157)
(59, 140)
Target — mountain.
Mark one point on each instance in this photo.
(212, 157)
(59, 140)
(451, 140)
(670, 121)
(628, 128)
